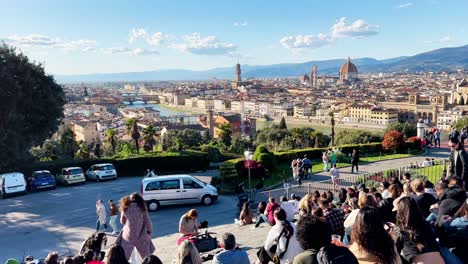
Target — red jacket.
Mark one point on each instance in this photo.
(270, 212)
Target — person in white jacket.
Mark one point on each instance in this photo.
(101, 214)
(287, 245)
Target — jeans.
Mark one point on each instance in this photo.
(449, 257)
(98, 225)
(260, 219)
(354, 164)
(325, 166)
(112, 223)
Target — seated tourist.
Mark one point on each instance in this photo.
(188, 224)
(261, 217)
(334, 216)
(151, 259)
(287, 246)
(423, 200)
(371, 242)
(270, 210)
(246, 215)
(187, 253)
(288, 208)
(318, 246)
(231, 254)
(116, 255)
(52, 258)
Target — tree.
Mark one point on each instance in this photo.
(148, 136)
(83, 151)
(111, 137)
(97, 150)
(68, 143)
(407, 129)
(282, 124)
(225, 133)
(206, 138)
(393, 140)
(132, 130)
(31, 107)
(351, 136)
(239, 144)
(461, 123)
(302, 137)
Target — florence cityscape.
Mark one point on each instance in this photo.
(233, 132)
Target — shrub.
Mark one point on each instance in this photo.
(393, 140)
(213, 154)
(414, 142)
(267, 160)
(259, 150)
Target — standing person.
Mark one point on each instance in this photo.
(325, 161)
(270, 210)
(437, 137)
(463, 136)
(307, 165)
(334, 216)
(354, 160)
(295, 169)
(114, 211)
(332, 157)
(137, 229)
(335, 177)
(454, 133)
(458, 161)
(101, 214)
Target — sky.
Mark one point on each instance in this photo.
(107, 36)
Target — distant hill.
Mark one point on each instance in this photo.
(445, 59)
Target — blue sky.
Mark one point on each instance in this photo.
(76, 37)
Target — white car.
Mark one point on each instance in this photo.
(101, 172)
(176, 189)
(11, 183)
(71, 175)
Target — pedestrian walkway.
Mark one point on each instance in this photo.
(383, 165)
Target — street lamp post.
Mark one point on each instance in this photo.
(248, 157)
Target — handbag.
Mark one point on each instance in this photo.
(205, 242)
(274, 249)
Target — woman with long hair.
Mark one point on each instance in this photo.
(287, 246)
(371, 243)
(246, 215)
(305, 205)
(187, 253)
(137, 229)
(188, 224)
(414, 236)
(116, 255)
(101, 214)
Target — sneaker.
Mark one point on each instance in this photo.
(114, 233)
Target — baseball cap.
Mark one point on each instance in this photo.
(12, 261)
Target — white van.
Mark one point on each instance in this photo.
(101, 172)
(176, 189)
(10, 183)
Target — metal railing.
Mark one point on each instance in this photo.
(432, 170)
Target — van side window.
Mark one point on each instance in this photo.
(170, 185)
(189, 184)
(153, 186)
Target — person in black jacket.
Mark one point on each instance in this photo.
(458, 161)
(354, 160)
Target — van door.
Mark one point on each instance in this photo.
(192, 190)
(14, 183)
(170, 192)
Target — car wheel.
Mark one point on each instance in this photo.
(207, 200)
(2, 196)
(153, 205)
(98, 179)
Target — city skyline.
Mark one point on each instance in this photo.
(108, 37)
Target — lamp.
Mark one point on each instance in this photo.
(248, 156)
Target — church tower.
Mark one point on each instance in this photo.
(313, 76)
(238, 73)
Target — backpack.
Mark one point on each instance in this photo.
(332, 254)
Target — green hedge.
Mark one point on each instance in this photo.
(131, 166)
(316, 153)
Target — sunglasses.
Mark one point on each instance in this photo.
(452, 146)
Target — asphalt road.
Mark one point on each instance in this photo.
(60, 220)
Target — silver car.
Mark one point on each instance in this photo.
(176, 189)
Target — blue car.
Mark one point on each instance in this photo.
(41, 180)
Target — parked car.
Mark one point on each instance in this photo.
(71, 175)
(12, 183)
(41, 180)
(101, 172)
(176, 189)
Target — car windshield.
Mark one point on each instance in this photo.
(76, 171)
(107, 167)
(43, 175)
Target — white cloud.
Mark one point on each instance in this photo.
(210, 45)
(35, 40)
(240, 24)
(153, 39)
(129, 51)
(303, 42)
(405, 5)
(444, 39)
(341, 29)
(358, 28)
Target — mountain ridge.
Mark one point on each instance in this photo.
(443, 59)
